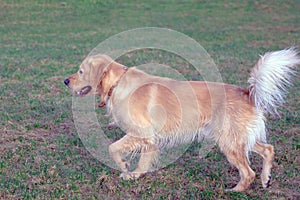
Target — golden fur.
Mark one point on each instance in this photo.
(157, 113)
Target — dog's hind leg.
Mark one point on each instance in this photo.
(267, 152)
(239, 159)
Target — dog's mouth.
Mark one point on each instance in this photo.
(84, 91)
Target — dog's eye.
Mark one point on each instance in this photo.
(80, 72)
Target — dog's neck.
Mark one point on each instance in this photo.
(110, 91)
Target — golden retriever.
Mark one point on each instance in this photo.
(159, 113)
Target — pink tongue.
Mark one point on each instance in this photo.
(85, 90)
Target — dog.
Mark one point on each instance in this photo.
(158, 113)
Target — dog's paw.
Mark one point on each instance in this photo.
(124, 166)
(237, 188)
(129, 175)
(266, 181)
(228, 190)
(231, 190)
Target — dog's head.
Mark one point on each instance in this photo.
(97, 75)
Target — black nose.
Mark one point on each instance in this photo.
(67, 81)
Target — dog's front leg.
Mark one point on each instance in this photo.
(149, 153)
(117, 149)
(130, 144)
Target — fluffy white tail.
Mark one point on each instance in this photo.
(270, 77)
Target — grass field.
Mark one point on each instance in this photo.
(41, 154)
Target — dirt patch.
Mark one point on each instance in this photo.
(17, 137)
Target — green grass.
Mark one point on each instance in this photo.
(41, 155)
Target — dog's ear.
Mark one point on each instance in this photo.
(98, 68)
(115, 70)
(110, 77)
(111, 74)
